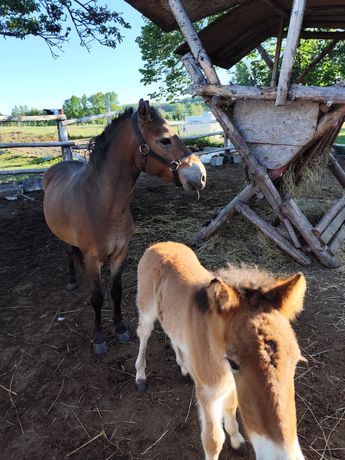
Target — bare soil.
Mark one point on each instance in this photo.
(58, 400)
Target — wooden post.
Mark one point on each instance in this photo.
(63, 137)
(193, 69)
(193, 40)
(329, 216)
(316, 60)
(107, 108)
(294, 31)
(277, 55)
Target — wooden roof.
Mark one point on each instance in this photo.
(245, 24)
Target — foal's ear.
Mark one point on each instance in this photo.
(222, 297)
(144, 110)
(288, 295)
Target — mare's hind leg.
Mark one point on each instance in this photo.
(116, 263)
(93, 268)
(72, 278)
(146, 323)
(230, 422)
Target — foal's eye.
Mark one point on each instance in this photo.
(234, 366)
(165, 141)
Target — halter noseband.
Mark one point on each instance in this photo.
(146, 151)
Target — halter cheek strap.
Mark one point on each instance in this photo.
(146, 151)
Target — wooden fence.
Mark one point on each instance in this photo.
(67, 146)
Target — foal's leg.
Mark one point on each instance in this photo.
(211, 415)
(93, 268)
(72, 279)
(179, 359)
(146, 323)
(230, 421)
(116, 293)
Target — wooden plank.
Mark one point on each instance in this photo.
(193, 40)
(273, 234)
(339, 238)
(262, 122)
(36, 144)
(292, 39)
(329, 216)
(335, 94)
(333, 227)
(224, 214)
(32, 117)
(277, 8)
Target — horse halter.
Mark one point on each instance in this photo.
(146, 151)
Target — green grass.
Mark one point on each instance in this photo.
(341, 138)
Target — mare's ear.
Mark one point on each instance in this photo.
(222, 297)
(144, 111)
(288, 295)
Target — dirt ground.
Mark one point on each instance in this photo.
(58, 400)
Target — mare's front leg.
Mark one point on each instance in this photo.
(116, 263)
(93, 269)
(211, 417)
(72, 277)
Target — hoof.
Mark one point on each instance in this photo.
(241, 451)
(141, 385)
(100, 348)
(71, 286)
(123, 337)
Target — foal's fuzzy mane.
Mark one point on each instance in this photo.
(246, 277)
(98, 145)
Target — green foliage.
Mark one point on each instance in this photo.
(77, 107)
(21, 110)
(53, 20)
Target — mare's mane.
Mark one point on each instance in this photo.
(98, 146)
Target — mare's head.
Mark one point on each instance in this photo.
(252, 313)
(163, 153)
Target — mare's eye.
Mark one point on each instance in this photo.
(165, 141)
(234, 366)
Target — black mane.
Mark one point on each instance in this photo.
(98, 145)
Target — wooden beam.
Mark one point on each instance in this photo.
(317, 59)
(329, 216)
(73, 121)
(12, 172)
(63, 137)
(329, 94)
(294, 30)
(290, 210)
(277, 8)
(193, 40)
(277, 54)
(339, 238)
(333, 227)
(273, 234)
(337, 170)
(322, 35)
(265, 56)
(193, 69)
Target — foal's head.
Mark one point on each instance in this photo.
(262, 351)
(169, 152)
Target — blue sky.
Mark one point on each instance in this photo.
(31, 76)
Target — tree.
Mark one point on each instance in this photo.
(53, 20)
(22, 110)
(77, 107)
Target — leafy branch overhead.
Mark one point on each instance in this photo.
(53, 21)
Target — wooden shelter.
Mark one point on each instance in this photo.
(272, 128)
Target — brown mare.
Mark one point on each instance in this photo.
(231, 332)
(88, 205)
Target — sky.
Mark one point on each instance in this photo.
(31, 76)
